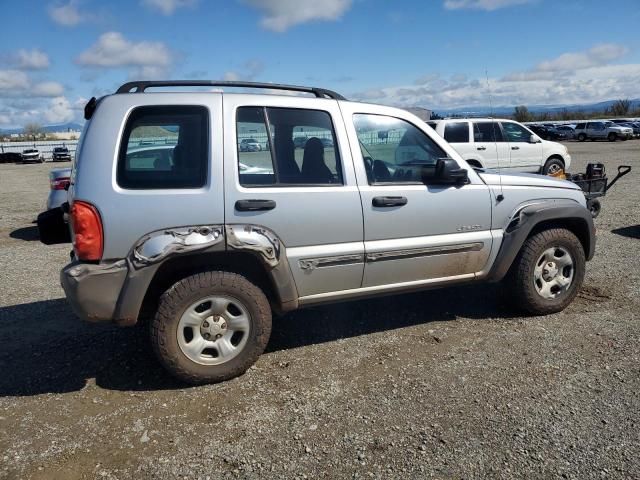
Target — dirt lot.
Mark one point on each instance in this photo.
(442, 384)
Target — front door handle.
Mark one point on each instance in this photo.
(515, 148)
(481, 148)
(389, 201)
(252, 205)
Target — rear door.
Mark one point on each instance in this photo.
(306, 195)
(489, 144)
(525, 156)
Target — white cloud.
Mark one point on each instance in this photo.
(113, 50)
(591, 79)
(66, 14)
(595, 56)
(488, 5)
(16, 83)
(34, 59)
(59, 111)
(280, 15)
(249, 71)
(568, 63)
(167, 7)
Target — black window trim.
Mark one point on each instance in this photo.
(408, 182)
(126, 135)
(272, 152)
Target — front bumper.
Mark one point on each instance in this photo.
(93, 289)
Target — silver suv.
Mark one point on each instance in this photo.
(601, 130)
(207, 240)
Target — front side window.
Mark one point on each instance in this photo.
(487, 132)
(164, 147)
(286, 146)
(515, 132)
(457, 132)
(394, 150)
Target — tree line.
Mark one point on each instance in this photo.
(620, 108)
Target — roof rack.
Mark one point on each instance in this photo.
(141, 86)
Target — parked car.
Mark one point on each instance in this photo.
(548, 133)
(501, 143)
(59, 179)
(61, 154)
(601, 130)
(210, 250)
(31, 155)
(567, 130)
(52, 223)
(250, 145)
(299, 142)
(635, 126)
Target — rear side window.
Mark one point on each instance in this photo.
(286, 146)
(164, 147)
(487, 132)
(580, 126)
(457, 132)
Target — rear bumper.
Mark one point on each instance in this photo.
(93, 290)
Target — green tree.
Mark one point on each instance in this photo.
(621, 107)
(521, 114)
(32, 130)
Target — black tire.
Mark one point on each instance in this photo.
(521, 280)
(594, 207)
(612, 137)
(582, 137)
(174, 302)
(553, 166)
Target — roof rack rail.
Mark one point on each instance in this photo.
(141, 86)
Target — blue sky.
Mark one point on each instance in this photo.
(54, 55)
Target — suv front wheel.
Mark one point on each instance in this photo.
(211, 327)
(548, 272)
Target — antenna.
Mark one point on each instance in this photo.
(500, 196)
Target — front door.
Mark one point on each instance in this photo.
(414, 233)
(525, 156)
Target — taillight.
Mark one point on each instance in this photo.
(59, 183)
(87, 231)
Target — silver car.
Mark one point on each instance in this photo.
(212, 239)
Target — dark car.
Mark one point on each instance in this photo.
(61, 154)
(299, 142)
(548, 133)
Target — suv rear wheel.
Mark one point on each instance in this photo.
(211, 327)
(612, 137)
(548, 272)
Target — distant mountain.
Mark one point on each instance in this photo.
(62, 127)
(508, 110)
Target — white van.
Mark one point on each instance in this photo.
(494, 142)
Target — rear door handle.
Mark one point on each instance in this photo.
(481, 148)
(253, 205)
(389, 201)
(515, 148)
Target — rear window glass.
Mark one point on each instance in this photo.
(457, 132)
(487, 132)
(164, 147)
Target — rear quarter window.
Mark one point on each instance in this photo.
(164, 147)
(457, 132)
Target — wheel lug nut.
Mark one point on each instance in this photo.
(218, 336)
(205, 324)
(224, 325)
(206, 336)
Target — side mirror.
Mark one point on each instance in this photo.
(447, 171)
(534, 139)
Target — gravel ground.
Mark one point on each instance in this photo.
(440, 384)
